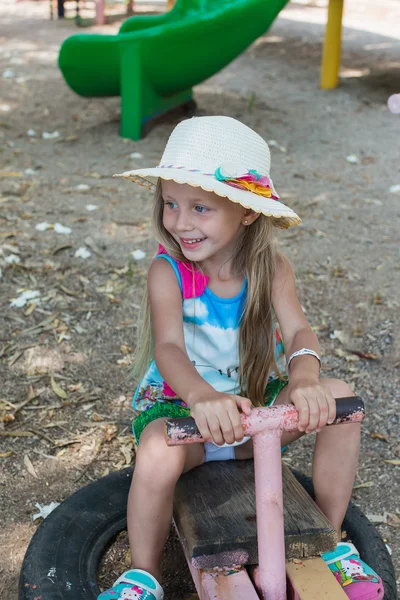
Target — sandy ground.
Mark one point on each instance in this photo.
(64, 402)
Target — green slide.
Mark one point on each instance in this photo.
(154, 61)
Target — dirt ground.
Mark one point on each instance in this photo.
(65, 398)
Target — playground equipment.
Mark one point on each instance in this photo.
(83, 9)
(266, 426)
(99, 9)
(100, 13)
(332, 46)
(215, 515)
(154, 61)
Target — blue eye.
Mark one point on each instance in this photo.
(200, 209)
(170, 204)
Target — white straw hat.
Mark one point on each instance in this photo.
(224, 156)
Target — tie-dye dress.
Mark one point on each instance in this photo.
(211, 333)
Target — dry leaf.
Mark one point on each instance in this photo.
(69, 292)
(7, 418)
(366, 355)
(74, 387)
(125, 362)
(10, 174)
(340, 352)
(57, 390)
(378, 299)
(393, 461)
(366, 484)
(61, 326)
(6, 454)
(352, 358)
(96, 417)
(346, 355)
(127, 452)
(128, 558)
(378, 436)
(125, 349)
(110, 433)
(339, 271)
(394, 520)
(357, 332)
(29, 466)
(31, 307)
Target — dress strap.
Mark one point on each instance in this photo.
(192, 282)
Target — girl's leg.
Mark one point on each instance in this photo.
(335, 458)
(157, 469)
(335, 462)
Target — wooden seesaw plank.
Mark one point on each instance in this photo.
(215, 515)
(312, 580)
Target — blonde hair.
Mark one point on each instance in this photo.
(255, 258)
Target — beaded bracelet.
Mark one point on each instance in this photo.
(301, 353)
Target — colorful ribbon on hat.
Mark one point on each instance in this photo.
(252, 181)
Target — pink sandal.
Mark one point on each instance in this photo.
(357, 579)
(135, 584)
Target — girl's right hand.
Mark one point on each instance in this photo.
(218, 418)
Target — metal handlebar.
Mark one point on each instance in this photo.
(284, 417)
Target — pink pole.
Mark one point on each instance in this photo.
(271, 577)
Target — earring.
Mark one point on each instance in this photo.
(245, 222)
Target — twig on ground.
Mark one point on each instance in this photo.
(98, 448)
(42, 435)
(31, 396)
(16, 433)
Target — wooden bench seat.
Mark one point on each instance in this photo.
(215, 515)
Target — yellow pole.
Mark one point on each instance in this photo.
(332, 43)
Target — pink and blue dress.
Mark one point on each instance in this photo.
(211, 332)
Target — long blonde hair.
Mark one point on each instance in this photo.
(255, 258)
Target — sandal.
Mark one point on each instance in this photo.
(134, 585)
(357, 579)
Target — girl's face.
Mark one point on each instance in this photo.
(204, 225)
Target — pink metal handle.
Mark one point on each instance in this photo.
(283, 417)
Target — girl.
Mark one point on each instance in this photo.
(210, 347)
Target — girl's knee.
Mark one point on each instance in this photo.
(338, 388)
(155, 459)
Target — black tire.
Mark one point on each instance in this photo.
(64, 554)
(366, 539)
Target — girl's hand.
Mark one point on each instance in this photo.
(218, 418)
(315, 404)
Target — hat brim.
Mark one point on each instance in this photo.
(284, 217)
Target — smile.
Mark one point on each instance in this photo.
(191, 242)
(195, 241)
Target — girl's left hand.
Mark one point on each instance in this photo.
(315, 404)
